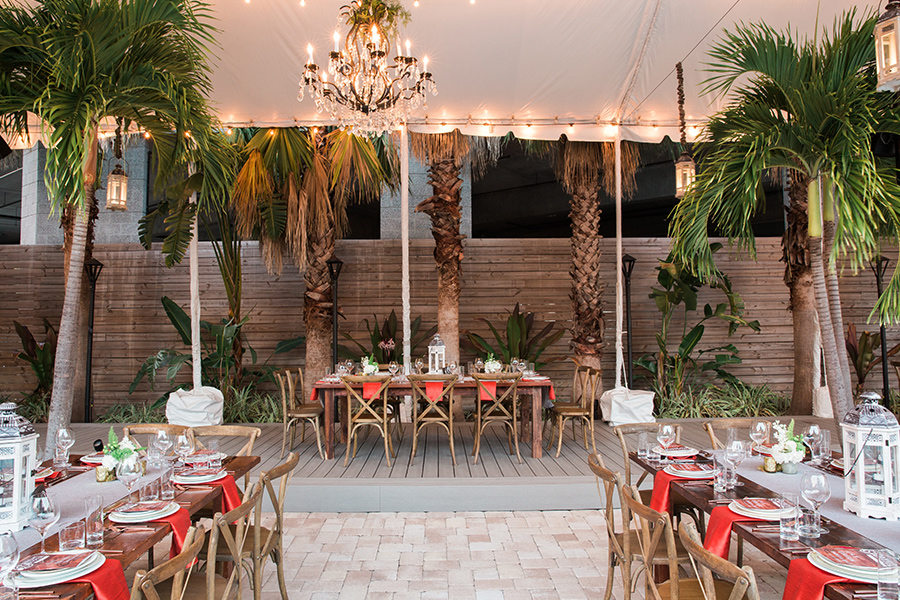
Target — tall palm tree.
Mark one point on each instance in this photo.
(292, 195)
(809, 108)
(77, 63)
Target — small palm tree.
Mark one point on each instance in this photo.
(809, 108)
(77, 63)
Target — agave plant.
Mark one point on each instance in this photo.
(521, 340)
(386, 345)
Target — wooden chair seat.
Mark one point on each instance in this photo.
(660, 557)
(196, 589)
(305, 411)
(224, 554)
(689, 589)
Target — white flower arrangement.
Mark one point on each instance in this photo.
(788, 447)
(369, 365)
(492, 365)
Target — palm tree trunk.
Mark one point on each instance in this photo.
(444, 209)
(586, 295)
(317, 304)
(834, 303)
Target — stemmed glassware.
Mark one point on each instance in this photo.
(815, 489)
(129, 472)
(759, 433)
(521, 366)
(420, 364)
(184, 445)
(665, 435)
(44, 513)
(810, 434)
(394, 368)
(735, 453)
(65, 439)
(479, 365)
(163, 442)
(9, 556)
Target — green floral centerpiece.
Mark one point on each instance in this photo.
(369, 365)
(788, 450)
(492, 365)
(116, 451)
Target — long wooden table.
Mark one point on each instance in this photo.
(329, 390)
(700, 494)
(129, 543)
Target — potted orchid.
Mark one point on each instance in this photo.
(369, 365)
(788, 450)
(492, 365)
(116, 451)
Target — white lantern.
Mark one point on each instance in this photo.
(18, 452)
(872, 460)
(437, 355)
(117, 189)
(887, 47)
(685, 172)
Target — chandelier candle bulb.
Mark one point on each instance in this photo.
(337, 41)
(309, 49)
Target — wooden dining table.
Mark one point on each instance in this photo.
(765, 535)
(128, 543)
(328, 390)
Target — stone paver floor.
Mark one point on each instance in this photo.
(483, 556)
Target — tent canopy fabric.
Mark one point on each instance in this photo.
(574, 67)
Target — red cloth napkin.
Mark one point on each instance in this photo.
(314, 395)
(108, 582)
(807, 582)
(433, 389)
(49, 477)
(718, 530)
(552, 392)
(231, 496)
(180, 522)
(661, 500)
(370, 389)
(483, 393)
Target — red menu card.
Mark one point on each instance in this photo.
(848, 556)
(758, 503)
(52, 562)
(692, 467)
(142, 507)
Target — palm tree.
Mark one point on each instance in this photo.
(810, 109)
(77, 63)
(292, 195)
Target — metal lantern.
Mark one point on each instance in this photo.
(872, 460)
(887, 47)
(18, 458)
(437, 355)
(117, 189)
(685, 172)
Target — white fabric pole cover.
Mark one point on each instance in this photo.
(404, 242)
(195, 408)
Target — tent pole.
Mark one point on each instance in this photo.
(404, 243)
(620, 361)
(195, 296)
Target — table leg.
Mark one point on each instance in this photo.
(537, 423)
(328, 400)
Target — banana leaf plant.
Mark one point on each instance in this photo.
(385, 344)
(39, 356)
(521, 340)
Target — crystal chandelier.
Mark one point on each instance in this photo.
(363, 88)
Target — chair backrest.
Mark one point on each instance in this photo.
(236, 431)
(723, 425)
(510, 379)
(287, 383)
(580, 380)
(709, 564)
(230, 530)
(622, 431)
(448, 383)
(129, 431)
(279, 475)
(609, 486)
(365, 407)
(654, 528)
(176, 569)
(591, 383)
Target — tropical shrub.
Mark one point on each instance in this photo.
(861, 351)
(247, 405)
(384, 342)
(35, 406)
(521, 340)
(713, 402)
(137, 412)
(40, 356)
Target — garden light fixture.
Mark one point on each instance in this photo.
(887, 47)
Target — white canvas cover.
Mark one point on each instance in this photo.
(620, 406)
(196, 407)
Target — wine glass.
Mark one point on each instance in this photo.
(420, 364)
(394, 368)
(665, 435)
(479, 365)
(184, 446)
(65, 439)
(809, 436)
(521, 366)
(129, 472)
(735, 453)
(44, 513)
(9, 555)
(163, 441)
(759, 433)
(815, 489)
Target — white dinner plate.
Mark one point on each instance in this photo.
(92, 459)
(766, 515)
(143, 517)
(828, 566)
(676, 451)
(28, 579)
(198, 459)
(198, 480)
(674, 470)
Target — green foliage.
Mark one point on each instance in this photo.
(35, 407)
(384, 342)
(521, 341)
(39, 356)
(713, 402)
(246, 405)
(217, 360)
(142, 412)
(119, 450)
(679, 288)
(861, 350)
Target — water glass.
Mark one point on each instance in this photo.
(888, 575)
(643, 445)
(808, 525)
(150, 492)
(93, 521)
(71, 537)
(822, 448)
(789, 521)
(722, 470)
(215, 459)
(9, 558)
(166, 486)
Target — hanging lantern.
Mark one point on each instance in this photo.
(117, 189)
(437, 355)
(685, 172)
(872, 460)
(887, 47)
(18, 458)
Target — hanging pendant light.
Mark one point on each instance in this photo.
(887, 47)
(117, 181)
(685, 168)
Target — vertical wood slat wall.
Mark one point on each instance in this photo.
(130, 323)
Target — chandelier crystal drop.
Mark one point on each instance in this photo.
(363, 88)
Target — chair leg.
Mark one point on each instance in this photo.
(516, 433)
(561, 425)
(388, 444)
(315, 424)
(284, 434)
(610, 576)
(740, 552)
(279, 566)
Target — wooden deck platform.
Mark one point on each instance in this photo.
(430, 481)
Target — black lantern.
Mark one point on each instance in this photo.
(334, 271)
(92, 268)
(879, 265)
(627, 269)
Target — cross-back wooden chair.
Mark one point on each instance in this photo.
(723, 425)
(268, 542)
(227, 540)
(129, 431)
(583, 411)
(367, 410)
(493, 408)
(294, 411)
(731, 582)
(229, 431)
(656, 546)
(619, 539)
(172, 580)
(428, 410)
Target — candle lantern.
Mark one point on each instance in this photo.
(437, 355)
(685, 173)
(117, 189)
(887, 48)
(18, 458)
(872, 460)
